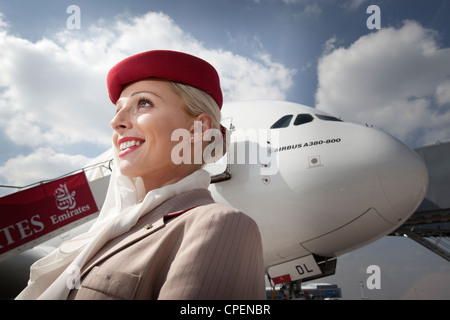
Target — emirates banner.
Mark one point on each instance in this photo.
(29, 214)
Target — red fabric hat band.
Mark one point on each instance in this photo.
(163, 64)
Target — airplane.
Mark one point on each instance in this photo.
(317, 187)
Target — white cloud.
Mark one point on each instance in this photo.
(353, 4)
(51, 96)
(330, 45)
(312, 9)
(443, 93)
(53, 91)
(24, 170)
(395, 79)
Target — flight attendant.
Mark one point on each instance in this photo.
(159, 235)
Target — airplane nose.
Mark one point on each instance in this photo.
(402, 175)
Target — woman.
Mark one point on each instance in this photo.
(159, 234)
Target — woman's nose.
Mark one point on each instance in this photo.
(121, 120)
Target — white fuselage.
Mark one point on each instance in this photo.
(330, 186)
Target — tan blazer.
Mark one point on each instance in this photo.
(209, 252)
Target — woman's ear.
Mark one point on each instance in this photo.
(205, 121)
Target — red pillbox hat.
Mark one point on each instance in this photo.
(168, 65)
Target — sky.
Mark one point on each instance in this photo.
(55, 111)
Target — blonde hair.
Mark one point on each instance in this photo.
(196, 102)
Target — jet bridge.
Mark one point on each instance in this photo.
(430, 224)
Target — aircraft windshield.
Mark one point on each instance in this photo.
(327, 118)
(303, 118)
(285, 121)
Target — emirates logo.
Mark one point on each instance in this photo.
(65, 202)
(63, 198)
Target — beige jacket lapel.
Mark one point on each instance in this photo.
(137, 233)
(150, 223)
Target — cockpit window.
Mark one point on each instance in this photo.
(300, 119)
(283, 122)
(303, 118)
(327, 118)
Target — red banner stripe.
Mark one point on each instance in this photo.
(32, 213)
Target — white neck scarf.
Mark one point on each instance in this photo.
(54, 276)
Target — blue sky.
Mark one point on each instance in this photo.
(54, 110)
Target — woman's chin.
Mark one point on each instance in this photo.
(128, 169)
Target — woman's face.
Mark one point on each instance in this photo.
(147, 113)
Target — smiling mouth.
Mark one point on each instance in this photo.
(129, 146)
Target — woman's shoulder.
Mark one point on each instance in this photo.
(218, 212)
(219, 222)
(216, 209)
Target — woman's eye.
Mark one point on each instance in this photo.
(145, 104)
